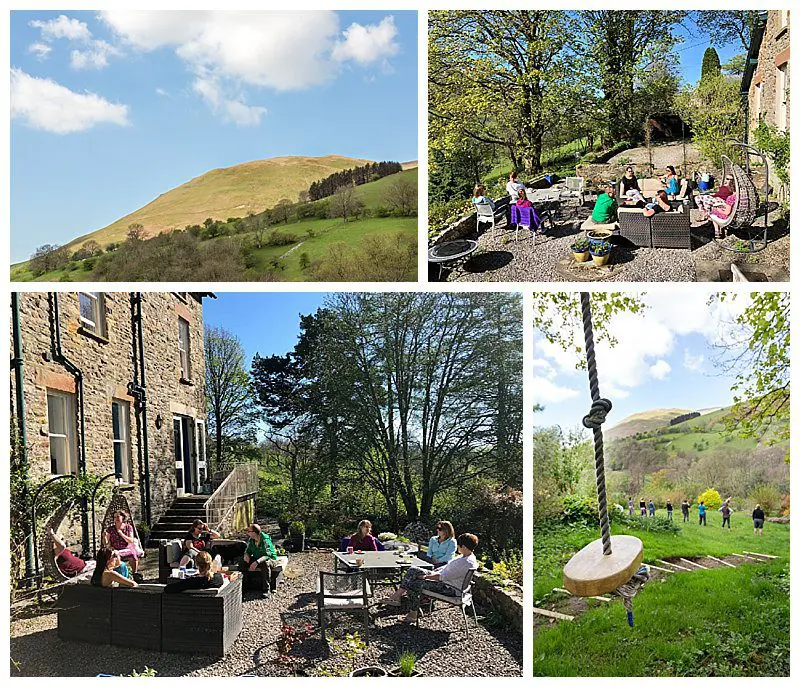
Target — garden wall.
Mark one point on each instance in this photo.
(466, 227)
(507, 601)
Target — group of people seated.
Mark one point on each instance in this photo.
(117, 560)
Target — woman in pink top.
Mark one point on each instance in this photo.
(362, 539)
(122, 539)
(522, 199)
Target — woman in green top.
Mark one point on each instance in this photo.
(605, 209)
(260, 555)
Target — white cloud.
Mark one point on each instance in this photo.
(244, 115)
(232, 109)
(543, 368)
(693, 363)
(49, 106)
(63, 27)
(660, 370)
(546, 392)
(367, 44)
(41, 50)
(161, 91)
(96, 57)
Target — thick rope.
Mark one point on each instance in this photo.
(594, 420)
(631, 588)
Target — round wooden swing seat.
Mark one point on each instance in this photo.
(590, 573)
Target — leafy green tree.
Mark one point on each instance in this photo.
(726, 27)
(344, 203)
(713, 108)
(767, 496)
(711, 65)
(757, 350)
(735, 66)
(229, 395)
(305, 261)
(495, 77)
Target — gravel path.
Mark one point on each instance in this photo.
(500, 258)
(439, 642)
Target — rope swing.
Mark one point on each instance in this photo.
(608, 564)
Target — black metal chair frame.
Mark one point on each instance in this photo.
(364, 595)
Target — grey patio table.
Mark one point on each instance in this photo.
(379, 561)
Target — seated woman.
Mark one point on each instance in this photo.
(522, 199)
(660, 204)
(68, 563)
(260, 555)
(442, 547)
(107, 570)
(197, 539)
(478, 197)
(447, 580)
(206, 578)
(720, 213)
(671, 182)
(629, 191)
(121, 537)
(362, 539)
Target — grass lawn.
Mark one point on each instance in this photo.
(326, 233)
(725, 621)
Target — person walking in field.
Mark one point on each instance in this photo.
(726, 511)
(669, 509)
(685, 510)
(701, 510)
(630, 506)
(758, 521)
(651, 507)
(642, 507)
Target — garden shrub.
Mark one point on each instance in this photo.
(645, 523)
(575, 508)
(711, 498)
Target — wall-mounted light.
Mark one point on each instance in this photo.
(159, 422)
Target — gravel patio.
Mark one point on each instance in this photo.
(439, 643)
(499, 258)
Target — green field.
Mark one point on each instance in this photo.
(724, 621)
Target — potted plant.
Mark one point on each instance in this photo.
(595, 236)
(406, 666)
(283, 522)
(143, 530)
(600, 252)
(297, 533)
(580, 249)
(369, 671)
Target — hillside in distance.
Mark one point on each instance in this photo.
(643, 422)
(222, 193)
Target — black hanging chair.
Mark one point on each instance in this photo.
(747, 206)
(118, 502)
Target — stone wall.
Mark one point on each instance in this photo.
(107, 367)
(507, 601)
(598, 173)
(467, 227)
(773, 53)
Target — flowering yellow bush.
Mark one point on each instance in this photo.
(711, 498)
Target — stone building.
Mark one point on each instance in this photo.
(766, 77)
(114, 382)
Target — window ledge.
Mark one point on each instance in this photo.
(92, 335)
(187, 382)
(782, 32)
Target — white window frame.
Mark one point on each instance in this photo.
(784, 18)
(200, 448)
(757, 99)
(124, 440)
(98, 303)
(185, 351)
(67, 435)
(781, 83)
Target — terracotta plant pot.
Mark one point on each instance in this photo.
(580, 257)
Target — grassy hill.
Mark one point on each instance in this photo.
(227, 192)
(311, 240)
(643, 422)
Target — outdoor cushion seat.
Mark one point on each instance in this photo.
(588, 224)
(169, 555)
(254, 579)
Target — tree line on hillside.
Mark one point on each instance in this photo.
(414, 398)
(356, 176)
(683, 418)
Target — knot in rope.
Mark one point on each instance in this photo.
(597, 415)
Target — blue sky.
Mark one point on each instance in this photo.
(690, 52)
(665, 358)
(110, 110)
(266, 323)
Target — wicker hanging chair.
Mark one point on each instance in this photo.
(117, 502)
(745, 209)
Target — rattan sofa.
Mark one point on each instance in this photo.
(663, 230)
(206, 621)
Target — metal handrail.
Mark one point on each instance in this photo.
(241, 481)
